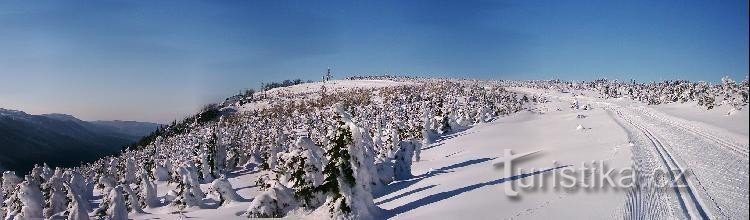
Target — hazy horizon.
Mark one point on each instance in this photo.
(161, 61)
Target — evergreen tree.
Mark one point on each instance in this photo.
(403, 160)
(30, 196)
(219, 159)
(222, 189)
(275, 202)
(147, 192)
(113, 208)
(54, 194)
(2, 204)
(443, 118)
(338, 169)
(78, 209)
(189, 193)
(11, 205)
(133, 202)
(130, 170)
(306, 174)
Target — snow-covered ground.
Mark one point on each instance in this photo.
(313, 90)
(723, 117)
(333, 85)
(242, 180)
(455, 177)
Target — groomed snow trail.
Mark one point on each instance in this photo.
(707, 172)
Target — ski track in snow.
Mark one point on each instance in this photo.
(715, 168)
(714, 162)
(691, 206)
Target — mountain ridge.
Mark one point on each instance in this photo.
(61, 139)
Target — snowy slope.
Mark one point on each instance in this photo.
(467, 186)
(456, 177)
(701, 154)
(723, 117)
(313, 90)
(334, 85)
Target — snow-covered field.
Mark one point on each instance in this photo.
(312, 90)
(701, 154)
(334, 85)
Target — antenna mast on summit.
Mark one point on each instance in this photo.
(328, 75)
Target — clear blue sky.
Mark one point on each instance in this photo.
(160, 60)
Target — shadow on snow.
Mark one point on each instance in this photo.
(448, 194)
(403, 184)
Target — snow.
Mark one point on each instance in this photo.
(334, 85)
(718, 117)
(457, 174)
(243, 182)
(313, 90)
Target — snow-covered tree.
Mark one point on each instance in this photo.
(189, 193)
(161, 173)
(443, 119)
(113, 206)
(403, 159)
(2, 206)
(306, 173)
(275, 202)
(148, 191)
(31, 198)
(130, 171)
(54, 194)
(10, 202)
(106, 183)
(78, 208)
(220, 150)
(345, 198)
(79, 184)
(224, 191)
(133, 201)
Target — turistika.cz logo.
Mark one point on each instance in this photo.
(589, 176)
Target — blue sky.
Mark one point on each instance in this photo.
(160, 60)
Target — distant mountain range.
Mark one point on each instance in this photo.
(60, 139)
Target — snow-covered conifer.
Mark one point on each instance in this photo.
(11, 204)
(47, 172)
(148, 191)
(224, 191)
(54, 194)
(161, 173)
(275, 202)
(130, 171)
(78, 208)
(106, 183)
(79, 184)
(30, 196)
(113, 206)
(189, 193)
(133, 202)
(403, 159)
(306, 173)
(345, 198)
